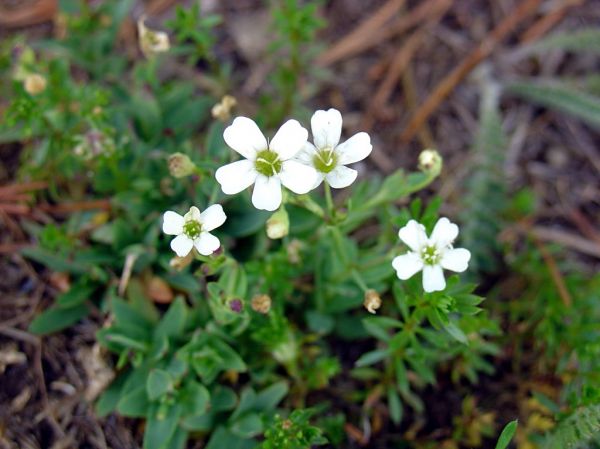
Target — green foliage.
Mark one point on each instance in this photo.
(295, 24)
(583, 39)
(295, 432)
(196, 31)
(485, 198)
(577, 431)
(561, 96)
(506, 436)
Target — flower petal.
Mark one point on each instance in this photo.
(407, 265)
(289, 140)
(413, 234)
(456, 259)
(307, 154)
(244, 136)
(297, 177)
(433, 278)
(267, 193)
(172, 223)
(182, 245)
(236, 176)
(212, 217)
(326, 128)
(193, 214)
(207, 243)
(341, 177)
(444, 233)
(355, 149)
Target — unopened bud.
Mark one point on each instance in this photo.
(180, 165)
(179, 263)
(34, 83)
(278, 226)
(261, 304)
(236, 305)
(430, 162)
(222, 110)
(287, 350)
(372, 301)
(293, 251)
(151, 41)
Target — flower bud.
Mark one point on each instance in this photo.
(222, 110)
(152, 42)
(261, 304)
(34, 83)
(179, 263)
(278, 225)
(293, 251)
(236, 305)
(430, 162)
(180, 165)
(372, 301)
(286, 350)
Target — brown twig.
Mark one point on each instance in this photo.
(575, 242)
(399, 63)
(14, 189)
(546, 23)
(555, 273)
(482, 51)
(584, 225)
(63, 208)
(39, 12)
(355, 43)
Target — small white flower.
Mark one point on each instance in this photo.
(430, 254)
(193, 230)
(268, 165)
(151, 41)
(328, 156)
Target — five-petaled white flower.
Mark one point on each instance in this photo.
(430, 254)
(329, 158)
(193, 229)
(267, 164)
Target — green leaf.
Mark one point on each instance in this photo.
(456, 332)
(267, 399)
(223, 399)
(77, 294)
(159, 383)
(582, 39)
(110, 397)
(54, 261)
(395, 405)
(134, 404)
(247, 426)
(372, 357)
(160, 426)
(173, 321)
(560, 96)
(507, 435)
(55, 319)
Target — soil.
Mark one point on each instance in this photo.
(42, 394)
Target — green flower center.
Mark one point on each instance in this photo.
(430, 255)
(267, 163)
(192, 229)
(325, 160)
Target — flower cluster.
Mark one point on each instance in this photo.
(289, 160)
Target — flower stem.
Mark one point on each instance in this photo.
(329, 200)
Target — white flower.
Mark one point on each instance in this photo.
(328, 156)
(193, 229)
(267, 164)
(430, 254)
(151, 41)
